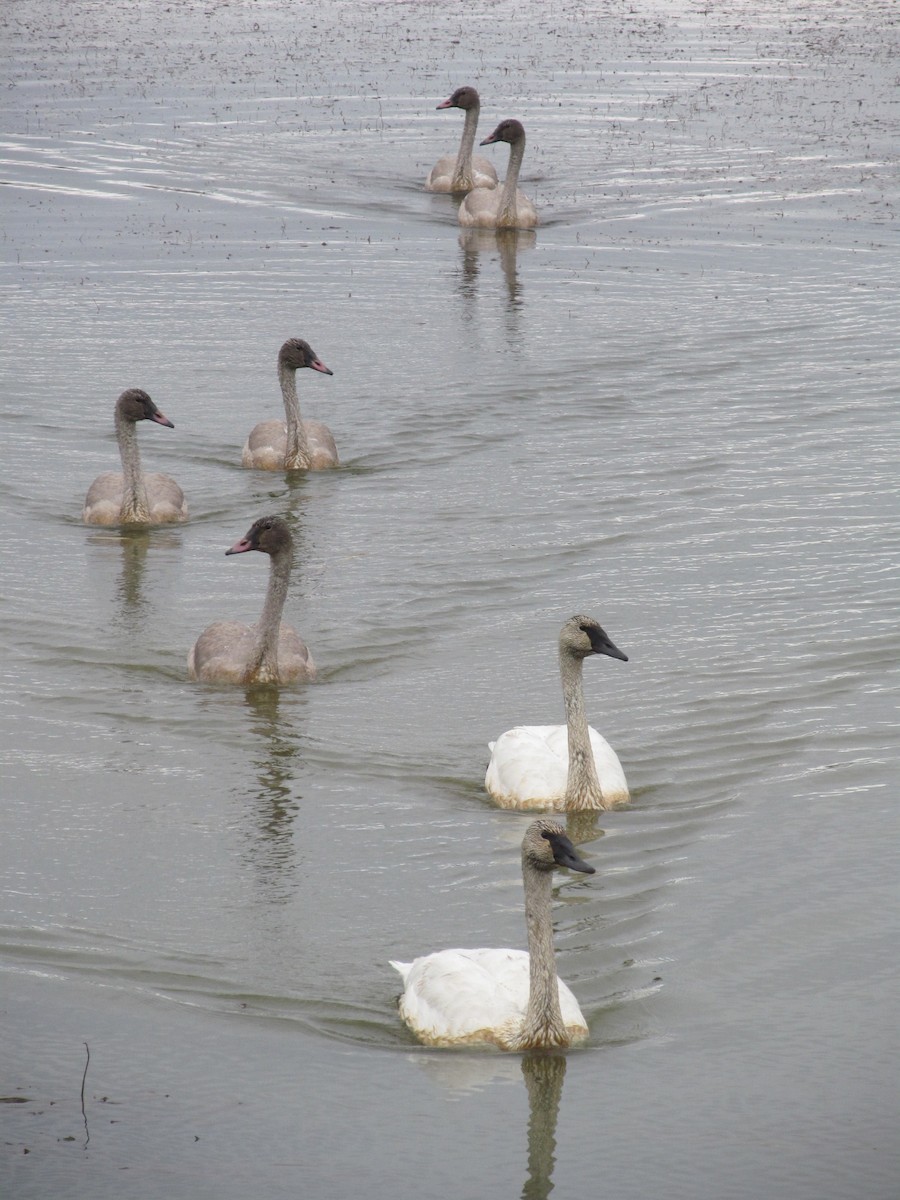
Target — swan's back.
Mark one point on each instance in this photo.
(103, 503)
(482, 210)
(266, 447)
(440, 177)
(223, 651)
(529, 768)
(474, 997)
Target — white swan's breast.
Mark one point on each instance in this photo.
(529, 768)
(472, 997)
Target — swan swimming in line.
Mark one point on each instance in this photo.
(508, 998)
(267, 652)
(130, 497)
(506, 207)
(461, 172)
(567, 767)
(292, 444)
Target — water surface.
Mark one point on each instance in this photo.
(673, 408)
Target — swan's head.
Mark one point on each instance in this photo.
(507, 131)
(136, 405)
(295, 353)
(581, 636)
(464, 97)
(269, 534)
(546, 845)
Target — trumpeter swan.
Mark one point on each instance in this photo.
(461, 172)
(292, 444)
(506, 207)
(267, 652)
(508, 998)
(567, 767)
(130, 497)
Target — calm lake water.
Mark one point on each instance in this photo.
(672, 408)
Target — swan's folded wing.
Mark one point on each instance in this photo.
(165, 498)
(572, 1016)
(609, 770)
(528, 767)
(465, 996)
(219, 654)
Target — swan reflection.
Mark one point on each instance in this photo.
(544, 1077)
(274, 806)
(133, 545)
(506, 243)
(544, 1073)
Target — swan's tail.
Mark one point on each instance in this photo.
(403, 968)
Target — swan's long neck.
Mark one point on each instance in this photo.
(543, 1025)
(263, 664)
(463, 179)
(296, 456)
(582, 785)
(135, 507)
(506, 211)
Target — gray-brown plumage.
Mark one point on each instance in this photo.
(506, 207)
(461, 172)
(267, 652)
(292, 444)
(129, 497)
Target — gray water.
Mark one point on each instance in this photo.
(673, 408)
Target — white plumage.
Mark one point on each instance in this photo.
(568, 767)
(512, 999)
(529, 767)
(457, 997)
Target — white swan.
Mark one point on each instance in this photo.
(292, 444)
(268, 652)
(506, 207)
(568, 767)
(461, 172)
(508, 998)
(129, 497)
